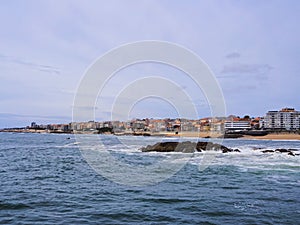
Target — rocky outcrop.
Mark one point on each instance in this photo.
(267, 151)
(191, 147)
(282, 150)
(187, 147)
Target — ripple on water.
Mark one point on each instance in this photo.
(44, 179)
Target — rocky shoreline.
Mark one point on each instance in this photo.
(192, 147)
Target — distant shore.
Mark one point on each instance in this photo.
(270, 136)
(275, 136)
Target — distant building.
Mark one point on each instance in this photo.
(157, 125)
(33, 125)
(237, 125)
(138, 125)
(256, 123)
(217, 126)
(284, 119)
(262, 123)
(187, 126)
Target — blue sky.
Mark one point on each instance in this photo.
(252, 47)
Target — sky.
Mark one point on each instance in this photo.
(46, 47)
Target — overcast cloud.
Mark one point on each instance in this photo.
(46, 46)
(240, 68)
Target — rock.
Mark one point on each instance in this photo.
(281, 150)
(236, 150)
(203, 145)
(226, 150)
(232, 135)
(163, 147)
(268, 151)
(288, 151)
(186, 147)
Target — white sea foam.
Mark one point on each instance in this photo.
(247, 159)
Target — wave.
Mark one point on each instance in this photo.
(13, 206)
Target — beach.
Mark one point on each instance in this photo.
(187, 134)
(271, 136)
(275, 136)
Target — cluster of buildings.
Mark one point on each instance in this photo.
(286, 119)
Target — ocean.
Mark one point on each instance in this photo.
(45, 179)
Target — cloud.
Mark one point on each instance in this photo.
(227, 76)
(32, 65)
(12, 115)
(72, 35)
(85, 108)
(237, 88)
(233, 55)
(20, 120)
(241, 68)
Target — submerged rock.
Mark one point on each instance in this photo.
(267, 151)
(281, 150)
(288, 151)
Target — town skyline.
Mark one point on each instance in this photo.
(285, 119)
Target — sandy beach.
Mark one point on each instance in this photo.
(273, 136)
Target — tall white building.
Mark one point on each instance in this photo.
(285, 119)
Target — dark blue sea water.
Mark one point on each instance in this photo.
(45, 180)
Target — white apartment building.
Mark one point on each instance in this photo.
(285, 119)
(237, 125)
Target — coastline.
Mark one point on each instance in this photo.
(274, 136)
(271, 136)
(208, 135)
